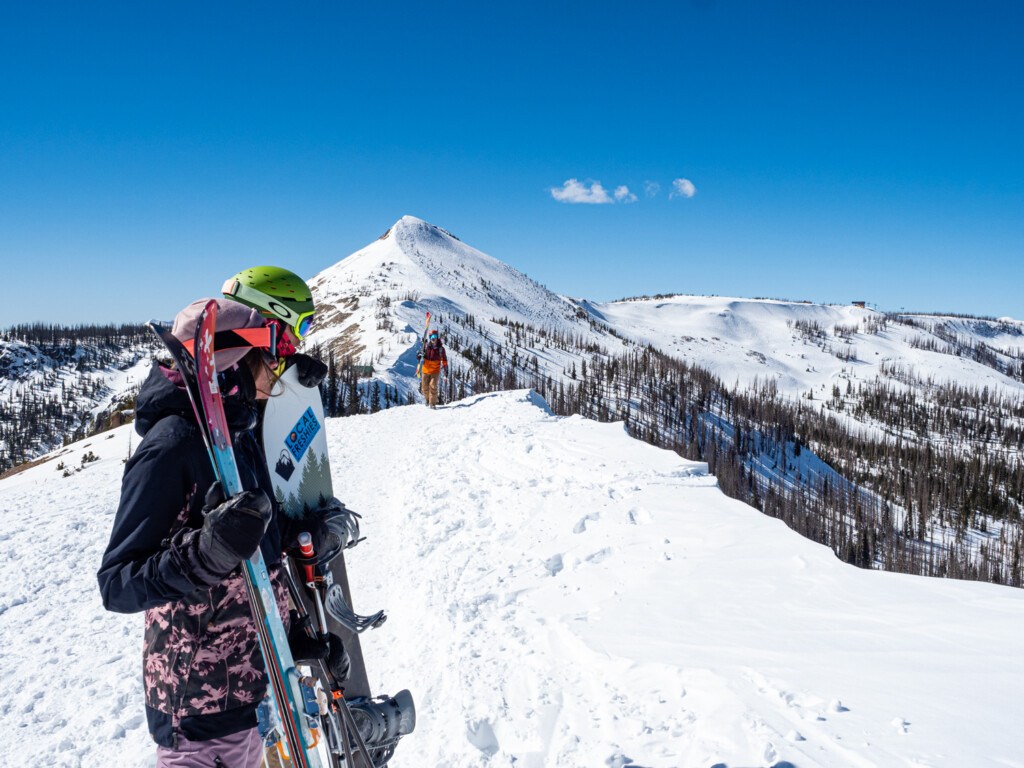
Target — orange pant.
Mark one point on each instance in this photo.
(428, 386)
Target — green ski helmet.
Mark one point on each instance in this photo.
(276, 293)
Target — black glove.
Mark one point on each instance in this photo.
(338, 525)
(306, 648)
(310, 370)
(231, 533)
(337, 659)
(333, 526)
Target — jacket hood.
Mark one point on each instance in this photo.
(159, 397)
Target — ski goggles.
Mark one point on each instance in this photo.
(299, 323)
(284, 348)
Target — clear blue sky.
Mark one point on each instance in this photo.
(839, 150)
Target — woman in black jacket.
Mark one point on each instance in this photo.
(175, 552)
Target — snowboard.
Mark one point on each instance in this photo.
(295, 443)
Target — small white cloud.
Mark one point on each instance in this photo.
(573, 191)
(682, 188)
(651, 188)
(623, 195)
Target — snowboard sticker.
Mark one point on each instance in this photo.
(285, 466)
(301, 435)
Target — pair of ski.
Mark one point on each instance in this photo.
(423, 343)
(286, 681)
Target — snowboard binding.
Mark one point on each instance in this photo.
(382, 721)
(361, 732)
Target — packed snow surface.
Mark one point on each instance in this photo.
(559, 595)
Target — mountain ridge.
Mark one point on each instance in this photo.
(784, 399)
(417, 267)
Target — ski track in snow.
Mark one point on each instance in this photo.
(558, 595)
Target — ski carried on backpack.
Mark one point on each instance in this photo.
(200, 377)
(423, 338)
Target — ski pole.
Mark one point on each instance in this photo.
(349, 729)
(306, 548)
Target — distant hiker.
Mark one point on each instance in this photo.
(177, 545)
(434, 360)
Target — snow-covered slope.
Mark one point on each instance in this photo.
(804, 347)
(49, 392)
(371, 308)
(559, 595)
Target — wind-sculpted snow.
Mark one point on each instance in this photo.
(559, 595)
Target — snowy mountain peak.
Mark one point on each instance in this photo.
(372, 304)
(422, 254)
(413, 228)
